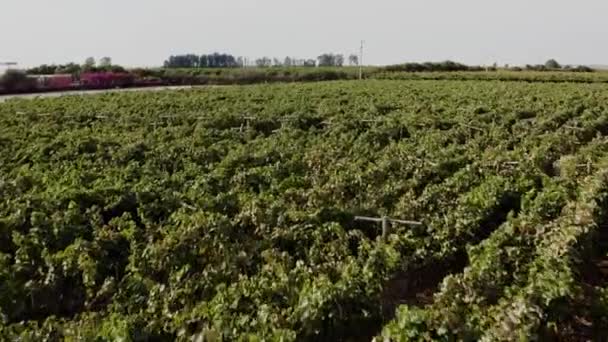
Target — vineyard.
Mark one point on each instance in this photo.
(232, 213)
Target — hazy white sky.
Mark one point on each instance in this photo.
(145, 32)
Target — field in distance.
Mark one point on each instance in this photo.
(229, 213)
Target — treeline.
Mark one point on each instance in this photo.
(553, 65)
(324, 60)
(450, 66)
(189, 76)
(224, 60)
(90, 65)
(215, 60)
(267, 62)
(71, 68)
(434, 66)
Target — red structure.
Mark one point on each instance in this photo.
(103, 80)
(148, 82)
(54, 82)
(86, 80)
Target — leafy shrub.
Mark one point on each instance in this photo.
(430, 66)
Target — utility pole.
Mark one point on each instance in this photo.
(361, 62)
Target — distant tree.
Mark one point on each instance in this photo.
(263, 62)
(116, 68)
(330, 59)
(431, 66)
(105, 62)
(89, 65)
(276, 62)
(339, 60)
(309, 63)
(206, 61)
(353, 59)
(43, 69)
(326, 59)
(222, 60)
(214, 60)
(90, 62)
(192, 60)
(209, 60)
(583, 68)
(70, 68)
(240, 61)
(143, 73)
(16, 80)
(552, 64)
(288, 62)
(231, 62)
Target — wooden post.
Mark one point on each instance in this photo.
(387, 223)
(386, 227)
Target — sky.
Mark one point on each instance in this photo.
(146, 32)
